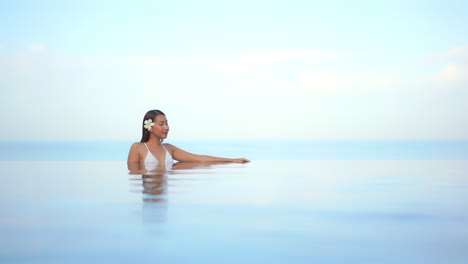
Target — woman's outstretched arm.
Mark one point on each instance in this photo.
(182, 155)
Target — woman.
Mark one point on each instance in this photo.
(155, 155)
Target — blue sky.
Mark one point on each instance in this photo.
(234, 69)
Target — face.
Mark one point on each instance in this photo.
(161, 127)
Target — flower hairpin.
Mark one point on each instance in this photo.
(148, 124)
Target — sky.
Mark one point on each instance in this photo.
(289, 70)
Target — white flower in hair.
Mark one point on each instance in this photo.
(148, 124)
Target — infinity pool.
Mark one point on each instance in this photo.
(339, 211)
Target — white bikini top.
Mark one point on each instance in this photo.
(151, 162)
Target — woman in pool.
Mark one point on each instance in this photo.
(151, 152)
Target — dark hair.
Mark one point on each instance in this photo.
(151, 114)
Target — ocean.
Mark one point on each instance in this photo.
(295, 202)
(254, 150)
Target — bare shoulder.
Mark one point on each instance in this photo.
(136, 152)
(137, 146)
(170, 147)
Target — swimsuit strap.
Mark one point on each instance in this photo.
(167, 151)
(146, 147)
(161, 145)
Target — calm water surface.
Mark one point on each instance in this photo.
(281, 211)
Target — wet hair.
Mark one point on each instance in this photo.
(152, 114)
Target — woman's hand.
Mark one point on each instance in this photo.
(241, 160)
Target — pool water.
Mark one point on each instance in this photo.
(266, 211)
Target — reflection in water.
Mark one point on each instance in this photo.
(154, 181)
(308, 211)
(154, 202)
(196, 165)
(155, 185)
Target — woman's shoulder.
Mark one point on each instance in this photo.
(169, 146)
(136, 152)
(137, 145)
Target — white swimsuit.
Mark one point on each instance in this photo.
(151, 163)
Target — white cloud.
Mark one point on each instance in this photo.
(249, 61)
(449, 67)
(453, 72)
(456, 53)
(234, 63)
(388, 81)
(453, 66)
(253, 73)
(2, 46)
(37, 48)
(317, 95)
(315, 82)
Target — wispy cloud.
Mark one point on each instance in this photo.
(324, 86)
(249, 61)
(307, 71)
(453, 72)
(456, 54)
(453, 65)
(37, 48)
(441, 69)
